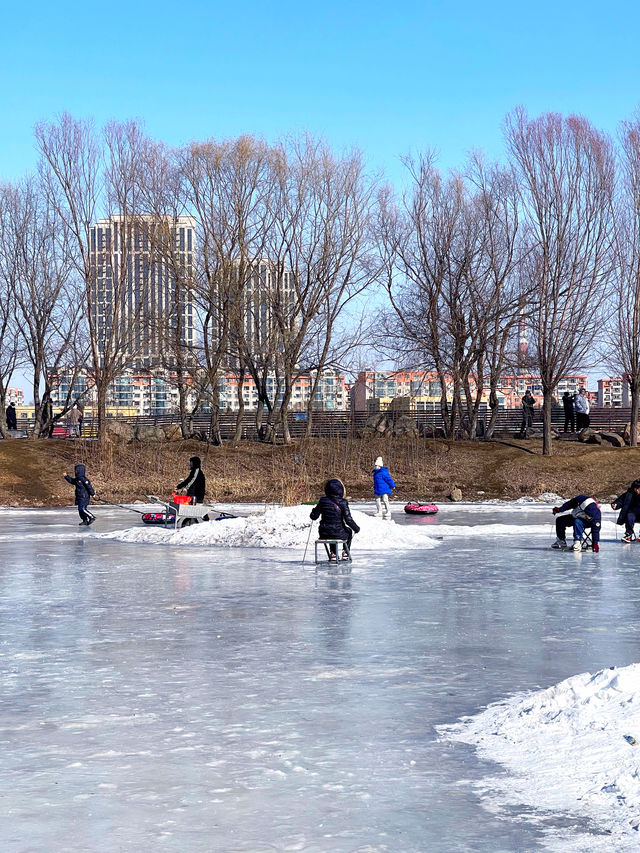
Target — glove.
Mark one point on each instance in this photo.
(555, 510)
(596, 548)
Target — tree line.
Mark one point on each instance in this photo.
(439, 277)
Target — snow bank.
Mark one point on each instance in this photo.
(282, 527)
(566, 751)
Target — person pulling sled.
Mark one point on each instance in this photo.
(84, 493)
(579, 513)
(195, 482)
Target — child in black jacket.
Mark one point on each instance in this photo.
(335, 517)
(84, 493)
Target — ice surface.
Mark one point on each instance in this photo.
(231, 699)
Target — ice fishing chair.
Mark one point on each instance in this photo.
(587, 540)
(586, 535)
(325, 560)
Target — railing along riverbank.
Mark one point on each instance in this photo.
(352, 424)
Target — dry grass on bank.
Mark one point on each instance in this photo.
(31, 471)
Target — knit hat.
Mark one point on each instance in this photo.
(379, 463)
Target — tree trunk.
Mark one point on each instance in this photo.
(101, 406)
(635, 406)
(493, 417)
(547, 449)
(237, 435)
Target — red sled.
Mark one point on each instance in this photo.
(416, 508)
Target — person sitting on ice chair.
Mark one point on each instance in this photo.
(335, 517)
(629, 505)
(579, 512)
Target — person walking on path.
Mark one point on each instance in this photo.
(195, 482)
(569, 412)
(73, 419)
(629, 505)
(12, 418)
(383, 485)
(335, 517)
(84, 493)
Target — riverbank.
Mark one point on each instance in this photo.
(31, 471)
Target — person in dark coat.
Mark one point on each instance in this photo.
(12, 418)
(335, 517)
(528, 402)
(629, 505)
(194, 482)
(579, 512)
(84, 493)
(569, 412)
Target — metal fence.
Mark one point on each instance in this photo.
(351, 424)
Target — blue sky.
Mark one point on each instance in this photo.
(388, 78)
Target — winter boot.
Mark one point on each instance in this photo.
(559, 543)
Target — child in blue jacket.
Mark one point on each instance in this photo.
(383, 485)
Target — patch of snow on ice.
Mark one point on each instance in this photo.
(566, 751)
(282, 527)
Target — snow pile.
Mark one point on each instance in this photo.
(282, 527)
(566, 750)
(545, 498)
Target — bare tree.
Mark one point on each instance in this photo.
(224, 185)
(86, 174)
(319, 247)
(9, 329)
(499, 293)
(163, 191)
(49, 306)
(429, 248)
(622, 338)
(566, 172)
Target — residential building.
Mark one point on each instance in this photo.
(134, 392)
(331, 393)
(135, 293)
(613, 392)
(15, 395)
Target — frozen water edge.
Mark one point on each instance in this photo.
(566, 751)
(205, 699)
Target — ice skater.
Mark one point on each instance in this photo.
(383, 485)
(335, 518)
(579, 512)
(84, 493)
(629, 505)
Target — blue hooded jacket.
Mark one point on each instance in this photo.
(382, 481)
(84, 489)
(591, 513)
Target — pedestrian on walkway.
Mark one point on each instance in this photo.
(569, 412)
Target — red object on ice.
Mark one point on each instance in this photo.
(415, 508)
(181, 499)
(157, 518)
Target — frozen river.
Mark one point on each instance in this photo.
(165, 698)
